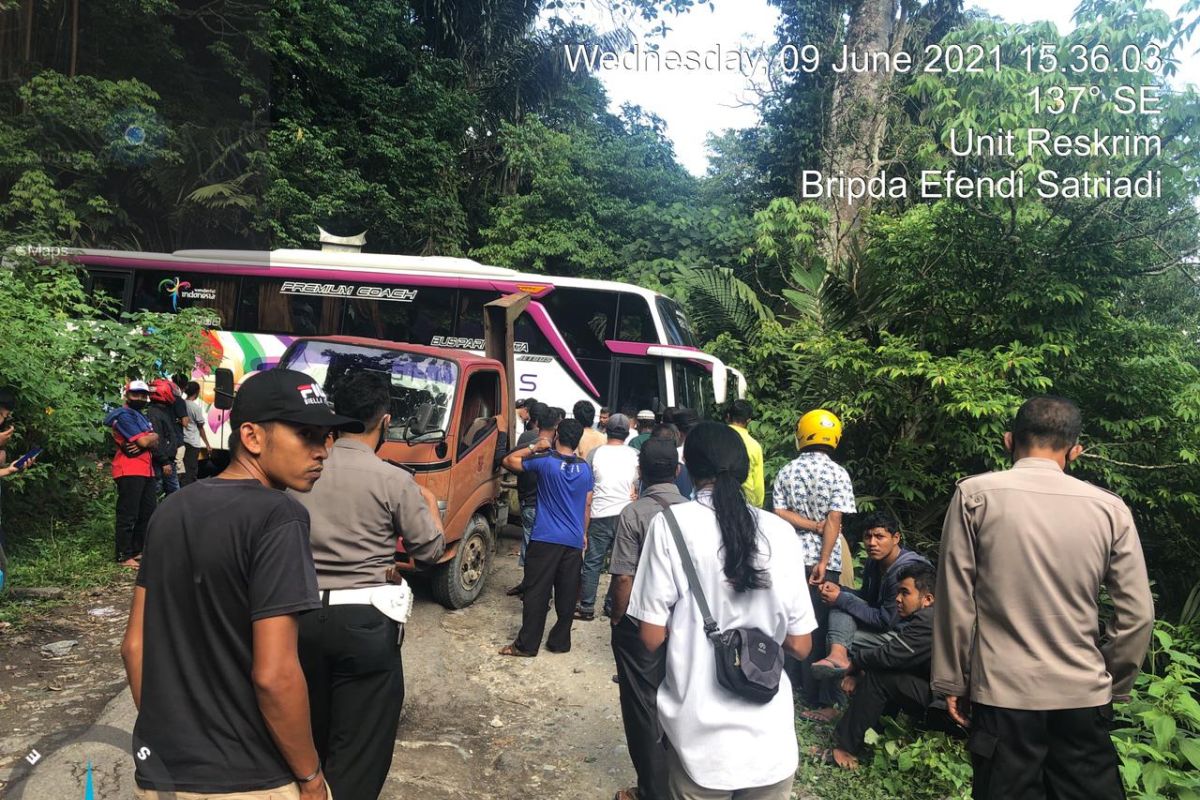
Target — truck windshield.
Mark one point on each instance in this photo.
(422, 387)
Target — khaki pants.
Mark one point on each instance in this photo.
(289, 792)
(684, 788)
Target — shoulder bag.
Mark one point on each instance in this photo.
(749, 661)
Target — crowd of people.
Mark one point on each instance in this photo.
(263, 646)
(676, 513)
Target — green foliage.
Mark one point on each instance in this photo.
(66, 362)
(1159, 734)
(920, 764)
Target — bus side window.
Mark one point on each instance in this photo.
(170, 292)
(115, 285)
(430, 314)
(634, 323)
(264, 308)
(586, 318)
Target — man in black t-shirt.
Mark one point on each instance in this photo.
(210, 651)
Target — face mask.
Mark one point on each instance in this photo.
(138, 405)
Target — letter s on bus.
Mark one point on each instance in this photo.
(526, 382)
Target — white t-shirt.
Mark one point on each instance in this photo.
(615, 469)
(724, 742)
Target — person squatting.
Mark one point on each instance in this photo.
(263, 646)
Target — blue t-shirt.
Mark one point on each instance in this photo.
(562, 490)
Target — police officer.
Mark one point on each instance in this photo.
(350, 648)
(1016, 622)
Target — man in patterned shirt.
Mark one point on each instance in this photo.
(812, 493)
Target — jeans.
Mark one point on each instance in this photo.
(528, 515)
(166, 484)
(815, 693)
(843, 630)
(600, 534)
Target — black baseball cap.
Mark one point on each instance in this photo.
(285, 395)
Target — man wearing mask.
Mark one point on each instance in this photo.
(350, 648)
(133, 471)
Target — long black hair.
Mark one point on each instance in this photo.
(716, 453)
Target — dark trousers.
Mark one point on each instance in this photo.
(815, 693)
(549, 568)
(1031, 755)
(191, 465)
(879, 693)
(136, 501)
(639, 673)
(351, 661)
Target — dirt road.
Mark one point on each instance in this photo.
(476, 725)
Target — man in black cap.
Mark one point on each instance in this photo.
(211, 646)
(350, 649)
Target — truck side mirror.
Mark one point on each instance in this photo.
(223, 396)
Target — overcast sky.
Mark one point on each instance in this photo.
(696, 102)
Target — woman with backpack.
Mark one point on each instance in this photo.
(726, 581)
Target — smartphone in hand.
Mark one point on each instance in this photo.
(24, 460)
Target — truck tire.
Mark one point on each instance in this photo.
(458, 582)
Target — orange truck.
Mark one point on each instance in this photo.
(452, 421)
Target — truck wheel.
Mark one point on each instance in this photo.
(458, 582)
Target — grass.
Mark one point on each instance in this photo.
(46, 550)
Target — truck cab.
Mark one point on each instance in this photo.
(449, 429)
(452, 421)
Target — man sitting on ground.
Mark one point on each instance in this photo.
(859, 618)
(896, 673)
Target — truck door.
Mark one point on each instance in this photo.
(474, 444)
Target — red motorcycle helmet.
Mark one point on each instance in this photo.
(162, 391)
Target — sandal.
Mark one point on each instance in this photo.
(512, 650)
(626, 794)
(827, 669)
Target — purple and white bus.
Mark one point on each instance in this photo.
(611, 343)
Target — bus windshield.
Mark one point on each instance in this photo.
(675, 323)
(422, 387)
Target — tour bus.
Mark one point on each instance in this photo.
(613, 344)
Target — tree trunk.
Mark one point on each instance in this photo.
(28, 31)
(74, 37)
(858, 118)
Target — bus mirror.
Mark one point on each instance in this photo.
(720, 378)
(223, 396)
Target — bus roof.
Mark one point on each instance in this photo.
(359, 266)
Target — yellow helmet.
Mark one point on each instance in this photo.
(818, 427)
